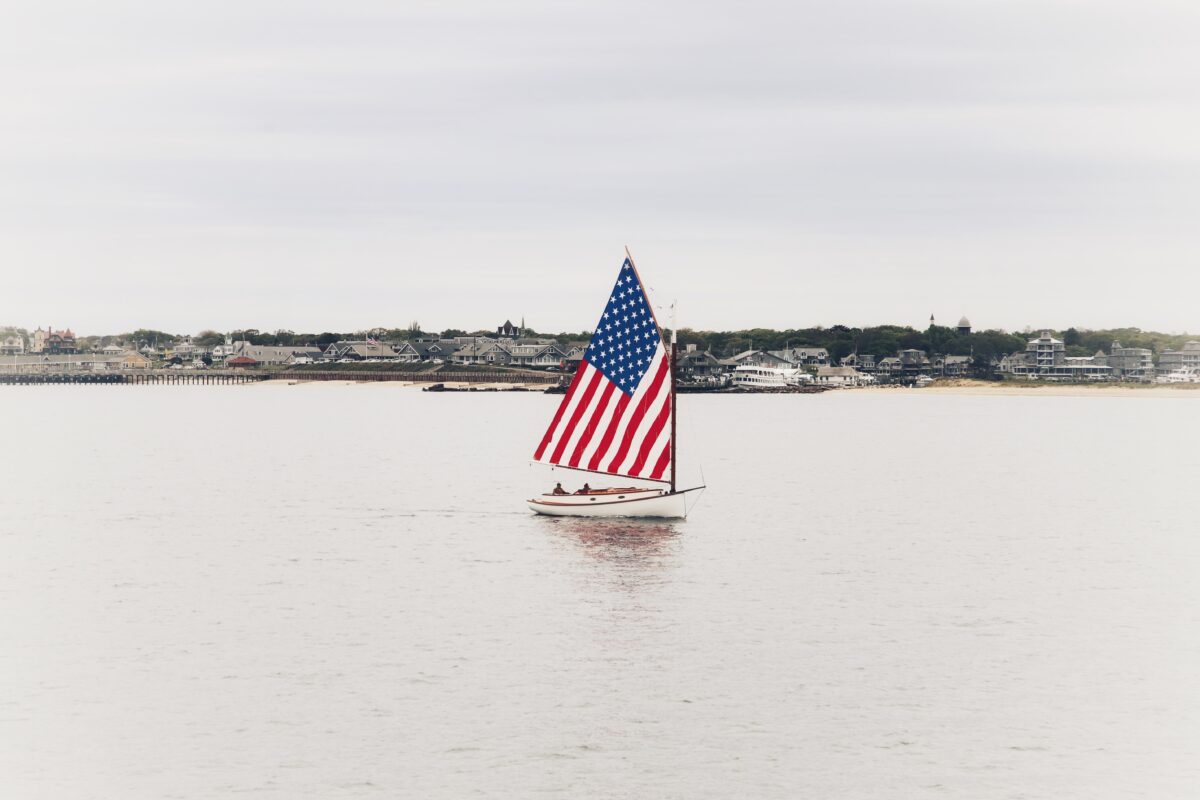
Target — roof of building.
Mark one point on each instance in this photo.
(964, 323)
(1045, 337)
(695, 355)
(481, 347)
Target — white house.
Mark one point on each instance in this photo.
(837, 377)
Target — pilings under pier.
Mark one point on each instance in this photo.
(414, 376)
(135, 377)
(175, 377)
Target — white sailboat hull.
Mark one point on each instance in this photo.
(639, 503)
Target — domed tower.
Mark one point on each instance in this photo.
(964, 325)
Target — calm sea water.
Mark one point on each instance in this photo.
(336, 592)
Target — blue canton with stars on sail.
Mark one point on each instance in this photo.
(626, 336)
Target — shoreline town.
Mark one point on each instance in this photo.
(513, 357)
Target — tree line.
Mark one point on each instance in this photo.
(839, 340)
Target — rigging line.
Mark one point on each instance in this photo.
(598, 472)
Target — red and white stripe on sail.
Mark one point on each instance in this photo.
(600, 428)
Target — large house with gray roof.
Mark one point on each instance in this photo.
(1187, 357)
(427, 350)
(804, 356)
(1046, 357)
(698, 365)
(270, 354)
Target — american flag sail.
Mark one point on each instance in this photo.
(616, 416)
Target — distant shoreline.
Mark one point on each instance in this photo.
(1046, 389)
(944, 387)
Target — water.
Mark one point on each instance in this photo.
(335, 592)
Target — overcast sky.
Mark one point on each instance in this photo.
(340, 165)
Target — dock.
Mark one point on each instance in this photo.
(494, 380)
(151, 377)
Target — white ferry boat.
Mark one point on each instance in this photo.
(769, 377)
(1184, 375)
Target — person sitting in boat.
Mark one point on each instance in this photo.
(558, 489)
(585, 490)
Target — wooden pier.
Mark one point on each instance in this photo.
(429, 376)
(175, 377)
(169, 377)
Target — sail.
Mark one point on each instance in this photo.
(616, 416)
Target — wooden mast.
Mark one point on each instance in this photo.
(654, 316)
(673, 413)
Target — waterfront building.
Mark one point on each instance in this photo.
(483, 351)
(416, 350)
(12, 345)
(270, 354)
(187, 350)
(863, 362)
(906, 365)
(840, 377)
(913, 363)
(694, 364)
(576, 349)
(951, 366)
(1187, 357)
(1131, 363)
(889, 367)
(1046, 357)
(536, 354)
(52, 341)
(223, 351)
(1046, 352)
(355, 351)
(532, 353)
(803, 356)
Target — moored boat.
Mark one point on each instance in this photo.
(755, 378)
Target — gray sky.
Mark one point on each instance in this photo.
(338, 165)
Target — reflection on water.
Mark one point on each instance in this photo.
(631, 542)
(375, 613)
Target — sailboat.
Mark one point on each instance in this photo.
(618, 415)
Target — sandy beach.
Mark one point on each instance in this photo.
(1016, 389)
